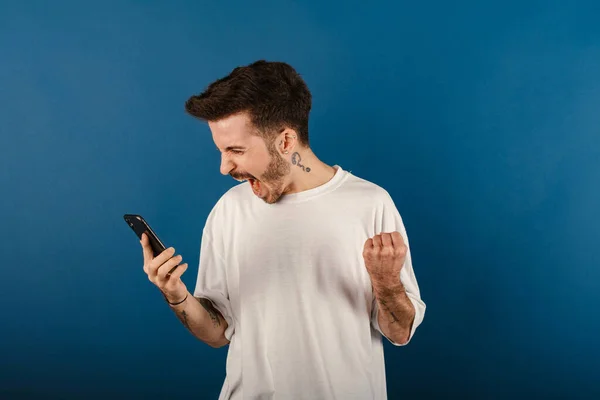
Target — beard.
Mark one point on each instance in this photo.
(274, 176)
(273, 179)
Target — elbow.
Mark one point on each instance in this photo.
(399, 337)
(221, 342)
(403, 339)
(218, 345)
(404, 336)
(401, 334)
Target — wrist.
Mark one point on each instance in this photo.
(388, 288)
(174, 301)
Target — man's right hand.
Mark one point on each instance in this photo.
(160, 271)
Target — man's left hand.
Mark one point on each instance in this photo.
(384, 257)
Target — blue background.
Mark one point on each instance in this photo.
(481, 119)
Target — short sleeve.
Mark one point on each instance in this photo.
(389, 220)
(211, 283)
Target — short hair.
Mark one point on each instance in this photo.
(272, 93)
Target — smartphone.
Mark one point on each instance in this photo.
(139, 226)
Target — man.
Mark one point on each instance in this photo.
(303, 266)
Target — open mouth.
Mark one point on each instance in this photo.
(255, 185)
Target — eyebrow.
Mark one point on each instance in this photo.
(228, 148)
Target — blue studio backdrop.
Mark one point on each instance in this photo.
(480, 118)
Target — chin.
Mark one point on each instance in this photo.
(271, 198)
(273, 194)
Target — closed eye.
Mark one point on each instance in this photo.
(237, 152)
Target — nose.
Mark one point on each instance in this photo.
(226, 165)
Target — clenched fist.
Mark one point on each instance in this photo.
(165, 271)
(384, 257)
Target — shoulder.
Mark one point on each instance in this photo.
(361, 188)
(235, 195)
(228, 203)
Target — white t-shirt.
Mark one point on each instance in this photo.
(290, 280)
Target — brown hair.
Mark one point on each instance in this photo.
(272, 93)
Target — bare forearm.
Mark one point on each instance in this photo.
(204, 321)
(396, 311)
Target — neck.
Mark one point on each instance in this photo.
(307, 171)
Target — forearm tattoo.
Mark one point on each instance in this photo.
(388, 309)
(210, 309)
(183, 318)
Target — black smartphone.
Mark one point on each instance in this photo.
(139, 226)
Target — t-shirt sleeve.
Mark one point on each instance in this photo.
(389, 220)
(211, 283)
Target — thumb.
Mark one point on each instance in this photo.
(147, 250)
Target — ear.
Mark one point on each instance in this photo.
(287, 141)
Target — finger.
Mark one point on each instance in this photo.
(164, 269)
(368, 244)
(170, 272)
(159, 260)
(397, 239)
(386, 240)
(146, 249)
(377, 241)
(176, 272)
